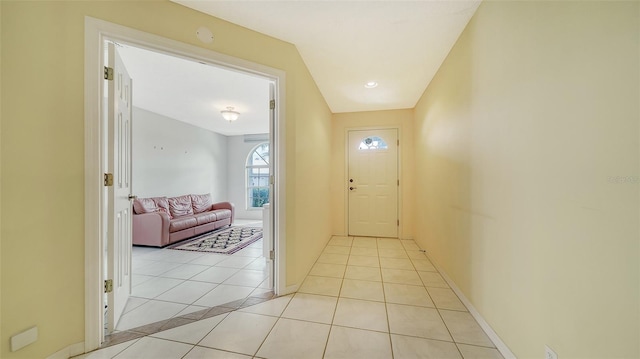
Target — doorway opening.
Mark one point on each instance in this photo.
(97, 142)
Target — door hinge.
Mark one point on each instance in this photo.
(272, 255)
(272, 104)
(108, 179)
(271, 179)
(108, 73)
(398, 142)
(398, 182)
(398, 223)
(108, 286)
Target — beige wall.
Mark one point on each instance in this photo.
(42, 145)
(310, 211)
(401, 119)
(520, 140)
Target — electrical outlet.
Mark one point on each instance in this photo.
(23, 339)
(549, 354)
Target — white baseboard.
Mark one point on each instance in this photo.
(68, 352)
(493, 336)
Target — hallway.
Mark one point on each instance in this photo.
(363, 298)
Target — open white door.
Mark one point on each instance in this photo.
(119, 229)
(373, 183)
(269, 227)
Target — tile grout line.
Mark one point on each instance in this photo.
(127, 347)
(144, 334)
(210, 266)
(339, 296)
(155, 299)
(214, 327)
(453, 339)
(386, 307)
(335, 309)
(266, 336)
(434, 307)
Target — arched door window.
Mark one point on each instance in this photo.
(258, 176)
(373, 143)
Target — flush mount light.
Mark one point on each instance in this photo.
(229, 114)
(371, 84)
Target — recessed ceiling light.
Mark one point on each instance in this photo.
(371, 84)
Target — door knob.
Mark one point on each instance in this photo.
(132, 197)
(352, 188)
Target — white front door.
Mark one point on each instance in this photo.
(373, 183)
(119, 229)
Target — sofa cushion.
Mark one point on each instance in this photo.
(144, 205)
(163, 205)
(205, 217)
(222, 213)
(181, 223)
(151, 205)
(201, 202)
(180, 206)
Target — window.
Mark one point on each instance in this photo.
(258, 176)
(373, 143)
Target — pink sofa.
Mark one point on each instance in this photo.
(160, 221)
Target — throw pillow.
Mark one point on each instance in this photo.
(163, 205)
(180, 206)
(201, 202)
(144, 205)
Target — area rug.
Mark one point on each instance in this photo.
(226, 241)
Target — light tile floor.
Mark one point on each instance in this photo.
(170, 283)
(363, 298)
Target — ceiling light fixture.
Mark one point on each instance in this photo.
(229, 114)
(371, 84)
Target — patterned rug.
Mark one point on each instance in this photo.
(226, 241)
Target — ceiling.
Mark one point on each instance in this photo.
(195, 93)
(398, 44)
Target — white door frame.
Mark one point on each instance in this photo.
(346, 172)
(96, 32)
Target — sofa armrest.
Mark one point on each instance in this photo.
(151, 229)
(225, 205)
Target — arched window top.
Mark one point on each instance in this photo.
(372, 143)
(258, 176)
(259, 156)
